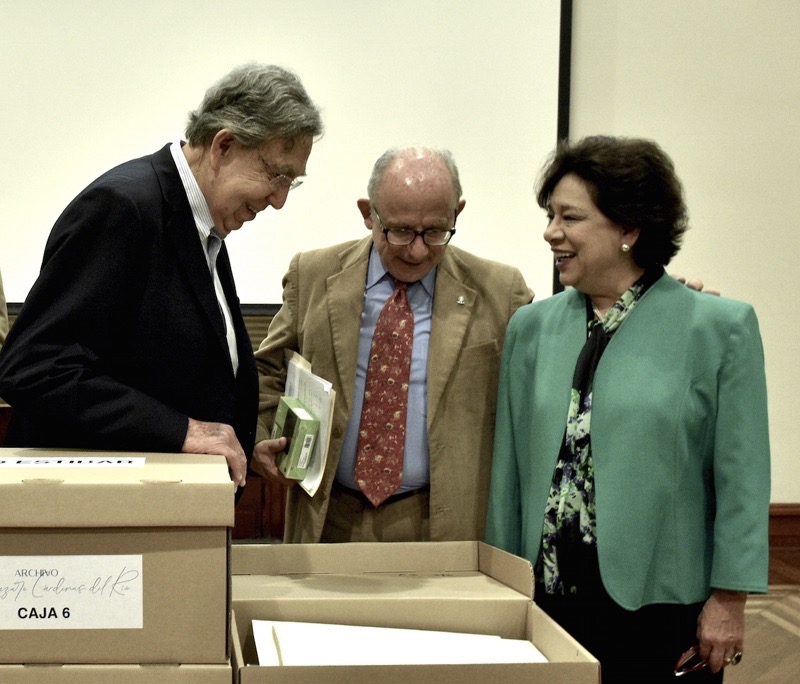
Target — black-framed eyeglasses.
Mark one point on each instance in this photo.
(280, 181)
(433, 237)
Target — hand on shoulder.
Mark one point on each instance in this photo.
(696, 284)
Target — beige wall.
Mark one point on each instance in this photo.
(715, 82)
(87, 84)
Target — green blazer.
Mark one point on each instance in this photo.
(679, 442)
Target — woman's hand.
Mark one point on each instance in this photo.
(720, 628)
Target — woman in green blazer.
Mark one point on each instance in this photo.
(631, 461)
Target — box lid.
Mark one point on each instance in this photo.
(78, 488)
(394, 558)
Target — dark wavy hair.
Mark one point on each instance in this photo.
(633, 182)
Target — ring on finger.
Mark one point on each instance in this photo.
(733, 659)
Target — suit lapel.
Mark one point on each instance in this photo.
(345, 302)
(182, 231)
(561, 337)
(453, 308)
(229, 288)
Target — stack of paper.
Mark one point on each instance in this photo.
(305, 643)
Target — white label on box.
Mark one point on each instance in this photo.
(73, 462)
(71, 592)
(305, 453)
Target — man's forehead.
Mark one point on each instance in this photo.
(439, 201)
(413, 181)
(287, 156)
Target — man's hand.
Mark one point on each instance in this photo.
(696, 284)
(720, 628)
(264, 459)
(220, 439)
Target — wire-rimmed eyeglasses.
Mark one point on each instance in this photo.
(280, 181)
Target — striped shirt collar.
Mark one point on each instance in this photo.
(197, 201)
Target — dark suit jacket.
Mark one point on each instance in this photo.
(121, 338)
(323, 298)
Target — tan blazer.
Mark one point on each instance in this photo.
(320, 318)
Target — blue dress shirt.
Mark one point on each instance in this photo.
(416, 462)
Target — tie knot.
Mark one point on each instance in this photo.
(214, 244)
(213, 247)
(400, 285)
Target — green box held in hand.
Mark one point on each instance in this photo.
(295, 422)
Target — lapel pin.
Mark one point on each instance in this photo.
(461, 300)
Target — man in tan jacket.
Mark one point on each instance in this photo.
(461, 305)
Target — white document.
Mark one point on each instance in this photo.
(304, 643)
(319, 397)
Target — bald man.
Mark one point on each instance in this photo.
(461, 305)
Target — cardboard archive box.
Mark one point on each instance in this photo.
(112, 557)
(466, 587)
(118, 674)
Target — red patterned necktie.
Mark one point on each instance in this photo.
(382, 433)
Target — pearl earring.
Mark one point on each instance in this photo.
(625, 248)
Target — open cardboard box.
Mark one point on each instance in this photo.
(122, 561)
(118, 674)
(450, 586)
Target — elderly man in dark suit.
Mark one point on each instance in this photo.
(132, 337)
(461, 304)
